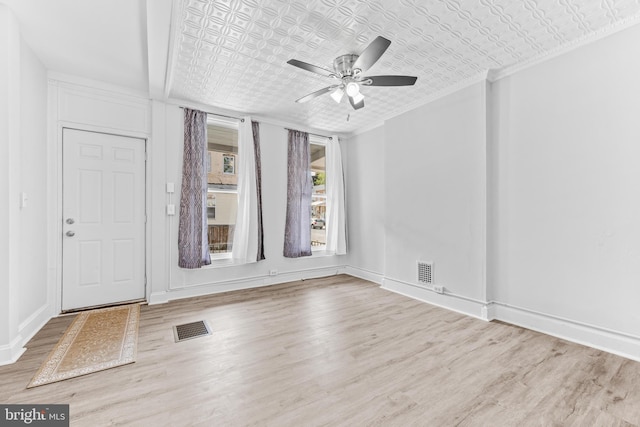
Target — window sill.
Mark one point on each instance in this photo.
(222, 260)
(220, 256)
(225, 260)
(320, 252)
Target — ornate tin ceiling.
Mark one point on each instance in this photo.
(232, 54)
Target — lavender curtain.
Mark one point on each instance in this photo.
(297, 232)
(193, 245)
(255, 127)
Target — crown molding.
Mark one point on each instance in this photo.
(494, 75)
(463, 84)
(56, 77)
(622, 25)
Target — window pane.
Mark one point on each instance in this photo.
(319, 197)
(222, 195)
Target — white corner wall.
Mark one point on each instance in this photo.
(566, 184)
(365, 181)
(31, 294)
(434, 190)
(522, 192)
(24, 297)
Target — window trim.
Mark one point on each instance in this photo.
(223, 258)
(232, 164)
(319, 250)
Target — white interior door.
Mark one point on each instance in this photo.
(103, 249)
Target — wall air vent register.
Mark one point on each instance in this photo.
(425, 273)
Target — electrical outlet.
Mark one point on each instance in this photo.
(24, 198)
(273, 272)
(439, 289)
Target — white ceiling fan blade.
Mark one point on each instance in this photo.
(388, 80)
(371, 54)
(316, 94)
(310, 67)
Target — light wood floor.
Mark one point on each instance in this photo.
(337, 351)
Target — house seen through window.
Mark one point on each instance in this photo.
(319, 194)
(222, 183)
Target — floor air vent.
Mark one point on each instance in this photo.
(191, 330)
(425, 273)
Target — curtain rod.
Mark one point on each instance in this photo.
(242, 120)
(311, 133)
(215, 114)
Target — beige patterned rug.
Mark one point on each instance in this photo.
(96, 340)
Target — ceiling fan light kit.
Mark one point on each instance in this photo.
(348, 69)
(353, 89)
(337, 95)
(358, 98)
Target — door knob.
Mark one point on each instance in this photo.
(70, 220)
(71, 233)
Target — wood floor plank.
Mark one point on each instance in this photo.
(337, 351)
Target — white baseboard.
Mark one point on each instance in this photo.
(160, 297)
(592, 336)
(243, 283)
(457, 303)
(11, 352)
(614, 342)
(364, 274)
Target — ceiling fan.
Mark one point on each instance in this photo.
(348, 70)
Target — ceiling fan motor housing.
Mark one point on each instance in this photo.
(343, 65)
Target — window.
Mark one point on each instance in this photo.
(317, 146)
(229, 164)
(211, 205)
(222, 182)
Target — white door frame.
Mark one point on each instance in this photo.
(54, 256)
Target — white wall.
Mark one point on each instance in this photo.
(567, 153)
(366, 207)
(24, 302)
(9, 136)
(221, 275)
(435, 192)
(33, 228)
(524, 194)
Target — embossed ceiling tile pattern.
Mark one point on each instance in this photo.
(233, 53)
